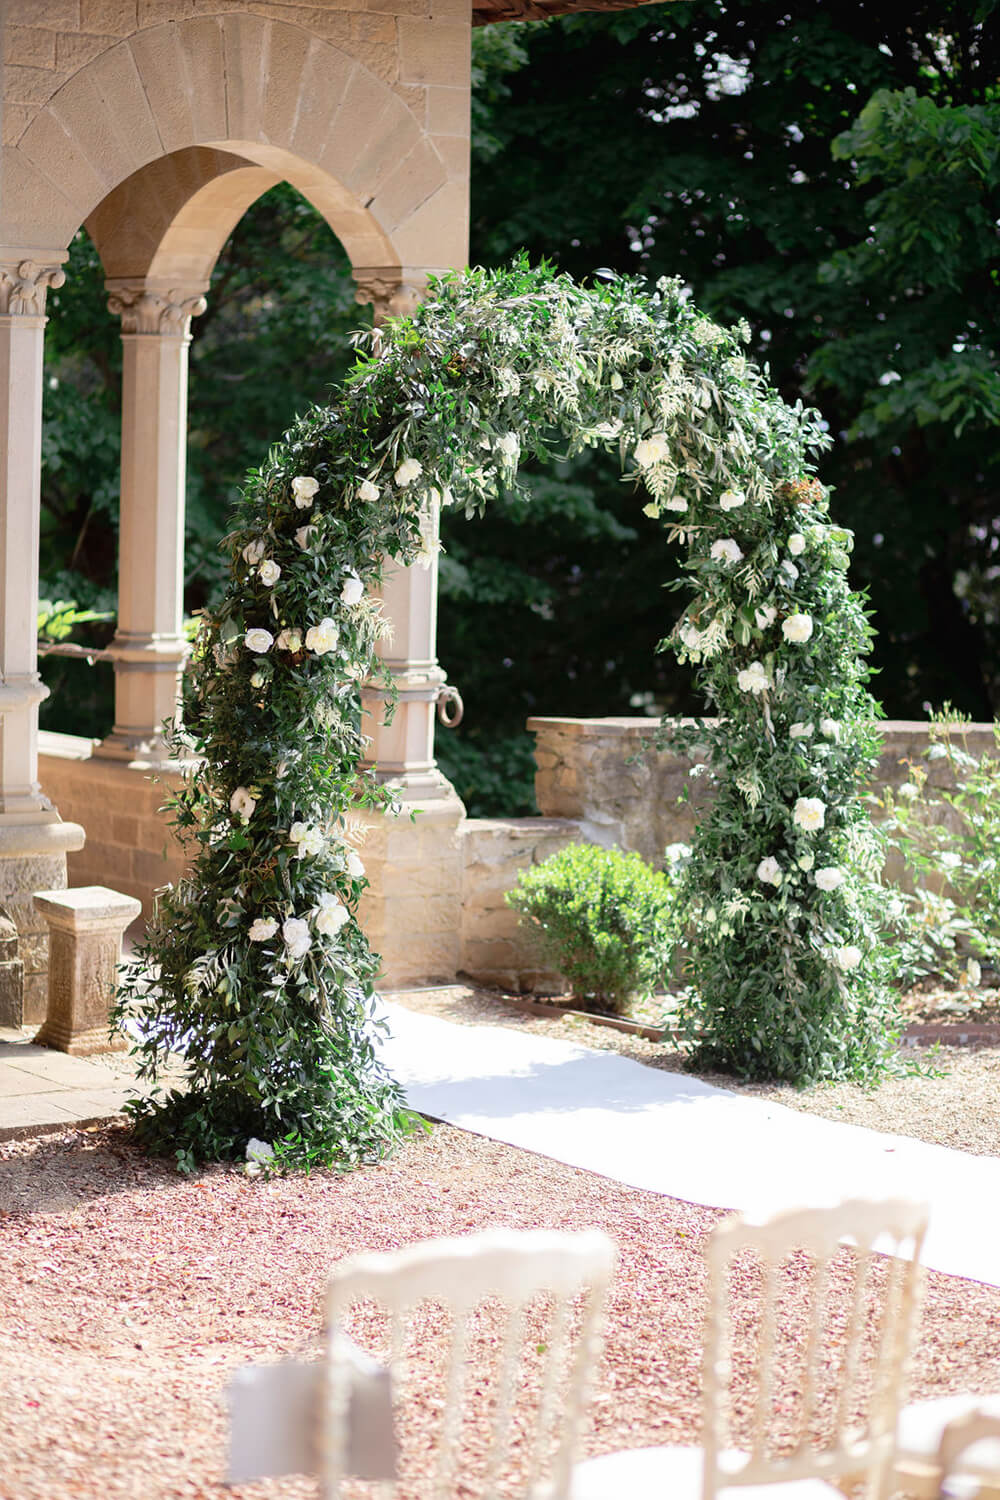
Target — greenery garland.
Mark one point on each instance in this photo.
(264, 976)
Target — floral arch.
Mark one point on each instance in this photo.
(263, 970)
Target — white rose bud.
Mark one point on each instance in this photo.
(298, 938)
(849, 956)
(368, 491)
(353, 590)
(355, 868)
(797, 628)
(269, 573)
(765, 616)
(829, 878)
(807, 861)
(769, 871)
(409, 470)
(304, 491)
(304, 536)
(290, 640)
(241, 804)
(796, 544)
(262, 930)
(258, 641)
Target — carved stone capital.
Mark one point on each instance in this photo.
(393, 291)
(23, 285)
(164, 314)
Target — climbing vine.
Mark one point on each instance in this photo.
(264, 976)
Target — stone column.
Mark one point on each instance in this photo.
(412, 913)
(33, 838)
(149, 647)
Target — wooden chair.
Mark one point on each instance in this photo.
(929, 1433)
(820, 1410)
(493, 1331)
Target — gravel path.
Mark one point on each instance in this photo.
(130, 1293)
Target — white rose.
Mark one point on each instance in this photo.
(769, 871)
(262, 930)
(304, 491)
(330, 917)
(409, 470)
(242, 804)
(691, 636)
(796, 544)
(304, 536)
(253, 552)
(908, 791)
(765, 616)
(355, 868)
(298, 939)
(323, 637)
(829, 878)
(731, 499)
(726, 550)
(800, 731)
(308, 840)
(258, 641)
(257, 679)
(790, 571)
(368, 491)
(753, 679)
(290, 640)
(353, 590)
(652, 450)
(269, 573)
(797, 628)
(809, 814)
(948, 860)
(806, 861)
(830, 728)
(848, 957)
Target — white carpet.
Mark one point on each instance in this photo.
(672, 1134)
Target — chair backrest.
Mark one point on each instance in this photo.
(811, 1322)
(960, 1441)
(489, 1333)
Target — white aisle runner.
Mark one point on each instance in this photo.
(672, 1134)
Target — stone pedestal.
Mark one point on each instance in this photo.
(85, 944)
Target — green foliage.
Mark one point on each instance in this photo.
(264, 977)
(943, 823)
(495, 778)
(604, 919)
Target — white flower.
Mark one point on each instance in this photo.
(257, 679)
(769, 871)
(949, 860)
(726, 550)
(908, 791)
(304, 536)
(809, 814)
(323, 637)
(690, 636)
(367, 491)
(652, 450)
(269, 573)
(290, 640)
(677, 502)
(800, 731)
(790, 571)
(711, 915)
(304, 490)
(973, 973)
(330, 915)
(731, 499)
(355, 868)
(262, 930)
(258, 641)
(806, 861)
(353, 590)
(765, 616)
(937, 752)
(797, 628)
(848, 957)
(253, 552)
(509, 445)
(675, 854)
(796, 544)
(298, 939)
(753, 679)
(830, 728)
(242, 804)
(409, 470)
(308, 839)
(616, 382)
(829, 878)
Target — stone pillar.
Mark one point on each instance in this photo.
(33, 838)
(149, 647)
(86, 927)
(412, 914)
